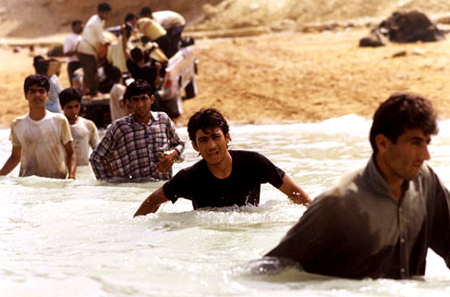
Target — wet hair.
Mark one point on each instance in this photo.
(136, 54)
(115, 74)
(205, 119)
(76, 22)
(39, 80)
(68, 95)
(130, 16)
(403, 111)
(138, 87)
(104, 7)
(146, 11)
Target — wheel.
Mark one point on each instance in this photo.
(191, 90)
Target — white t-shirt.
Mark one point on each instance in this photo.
(92, 36)
(42, 144)
(168, 19)
(70, 44)
(116, 94)
(84, 134)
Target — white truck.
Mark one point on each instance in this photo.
(179, 81)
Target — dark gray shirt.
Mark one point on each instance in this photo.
(357, 229)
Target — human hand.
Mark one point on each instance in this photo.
(166, 160)
(300, 198)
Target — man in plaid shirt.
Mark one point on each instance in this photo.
(140, 147)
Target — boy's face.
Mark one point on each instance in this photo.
(37, 96)
(212, 145)
(141, 105)
(71, 110)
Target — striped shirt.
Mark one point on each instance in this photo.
(130, 150)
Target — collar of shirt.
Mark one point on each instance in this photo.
(132, 119)
(376, 181)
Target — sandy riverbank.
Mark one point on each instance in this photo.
(285, 77)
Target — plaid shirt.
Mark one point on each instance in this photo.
(131, 149)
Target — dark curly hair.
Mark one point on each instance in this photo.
(204, 119)
(403, 111)
(138, 87)
(36, 79)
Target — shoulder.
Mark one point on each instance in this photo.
(20, 121)
(56, 117)
(160, 116)
(121, 124)
(88, 123)
(247, 156)
(192, 170)
(429, 180)
(68, 38)
(244, 153)
(95, 18)
(20, 118)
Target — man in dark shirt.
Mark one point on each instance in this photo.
(223, 177)
(379, 221)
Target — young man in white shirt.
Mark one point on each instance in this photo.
(41, 140)
(84, 131)
(91, 39)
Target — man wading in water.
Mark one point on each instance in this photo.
(223, 177)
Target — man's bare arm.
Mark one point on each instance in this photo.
(152, 203)
(12, 161)
(294, 192)
(71, 159)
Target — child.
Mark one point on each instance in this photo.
(116, 104)
(84, 131)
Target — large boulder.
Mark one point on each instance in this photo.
(410, 26)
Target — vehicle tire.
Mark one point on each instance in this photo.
(190, 90)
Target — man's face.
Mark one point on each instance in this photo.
(133, 21)
(404, 158)
(78, 28)
(71, 110)
(104, 15)
(141, 104)
(37, 96)
(212, 145)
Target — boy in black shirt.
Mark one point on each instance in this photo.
(223, 177)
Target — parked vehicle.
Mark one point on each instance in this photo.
(179, 81)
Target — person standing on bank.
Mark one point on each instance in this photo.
(41, 140)
(140, 147)
(379, 221)
(223, 177)
(70, 49)
(92, 37)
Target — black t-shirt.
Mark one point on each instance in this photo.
(243, 186)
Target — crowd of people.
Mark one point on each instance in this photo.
(378, 222)
(95, 55)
